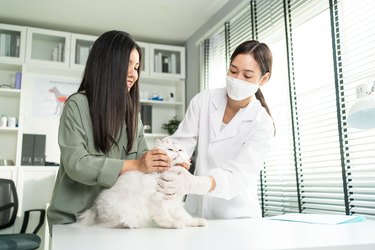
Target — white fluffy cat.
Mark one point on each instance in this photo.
(133, 201)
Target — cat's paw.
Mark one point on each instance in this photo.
(175, 225)
(178, 224)
(202, 222)
(198, 222)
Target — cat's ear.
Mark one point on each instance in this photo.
(167, 140)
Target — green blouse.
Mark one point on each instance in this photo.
(84, 171)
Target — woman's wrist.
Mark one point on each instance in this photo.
(129, 165)
(213, 183)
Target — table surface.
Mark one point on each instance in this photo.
(240, 234)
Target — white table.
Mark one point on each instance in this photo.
(241, 234)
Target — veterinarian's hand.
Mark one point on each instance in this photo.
(179, 181)
(155, 160)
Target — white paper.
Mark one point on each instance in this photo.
(319, 218)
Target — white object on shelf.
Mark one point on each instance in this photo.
(173, 59)
(3, 121)
(12, 43)
(41, 47)
(80, 49)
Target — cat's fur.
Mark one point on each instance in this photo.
(133, 201)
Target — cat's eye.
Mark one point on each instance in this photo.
(170, 149)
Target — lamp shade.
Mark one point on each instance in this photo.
(362, 113)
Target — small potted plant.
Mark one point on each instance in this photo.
(172, 125)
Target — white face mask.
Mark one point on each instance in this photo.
(238, 89)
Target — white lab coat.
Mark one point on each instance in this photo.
(233, 156)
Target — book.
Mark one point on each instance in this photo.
(156, 62)
(173, 64)
(78, 50)
(165, 65)
(55, 53)
(83, 55)
(17, 82)
(60, 52)
(329, 219)
(146, 117)
(8, 43)
(2, 44)
(17, 53)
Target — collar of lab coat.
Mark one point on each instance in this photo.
(242, 119)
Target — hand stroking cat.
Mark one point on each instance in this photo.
(134, 201)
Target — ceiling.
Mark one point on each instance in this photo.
(164, 21)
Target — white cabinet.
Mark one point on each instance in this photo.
(145, 65)
(167, 61)
(12, 43)
(9, 112)
(8, 173)
(80, 49)
(48, 47)
(162, 87)
(12, 54)
(34, 187)
(9, 136)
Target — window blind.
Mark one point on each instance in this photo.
(357, 33)
(216, 57)
(240, 28)
(203, 62)
(278, 173)
(270, 21)
(320, 168)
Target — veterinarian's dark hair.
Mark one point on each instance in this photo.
(105, 84)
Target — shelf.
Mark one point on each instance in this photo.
(8, 130)
(161, 103)
(48, 47)
(155, 135)
(160, 79)
(5, 92)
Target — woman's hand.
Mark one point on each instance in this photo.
(154, 160)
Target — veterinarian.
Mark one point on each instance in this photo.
(232, 128)
(100, 132)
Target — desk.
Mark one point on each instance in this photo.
(241, 234)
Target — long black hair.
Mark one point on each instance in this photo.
(105, 84)
(263, 56)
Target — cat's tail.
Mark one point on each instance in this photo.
(88, 217)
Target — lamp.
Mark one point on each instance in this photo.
(362, 113)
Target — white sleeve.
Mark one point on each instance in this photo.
(242, 171)
(187, 133)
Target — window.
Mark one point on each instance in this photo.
(322, 50)
(216, 58)
(278, 175)
(357, 33)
